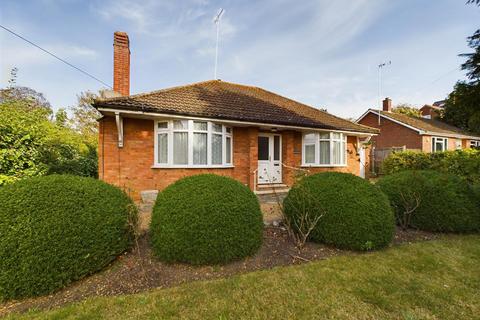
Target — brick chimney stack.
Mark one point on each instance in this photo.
(121, 63)
(387, 105)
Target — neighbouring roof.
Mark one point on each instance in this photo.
(229, 101)
(429, 126)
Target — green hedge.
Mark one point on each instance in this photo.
(206, 219)
(57, 229)
(355, 214)
(443, 202)
(463, 163)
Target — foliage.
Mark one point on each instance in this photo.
(354, 214)
(85, 115)
(31, 145)
(206, 219)
(407, 109)
(462, 108)
(57, 229)
(463, 163)
(446, 202)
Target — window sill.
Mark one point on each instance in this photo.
(158, 166)
(323, 166)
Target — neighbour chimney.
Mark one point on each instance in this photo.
(387, 105)
(121, 63)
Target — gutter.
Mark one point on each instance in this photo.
(163, 115)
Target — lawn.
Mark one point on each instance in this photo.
(426, 280)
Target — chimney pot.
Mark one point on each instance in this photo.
(121, 63)
(387, 105)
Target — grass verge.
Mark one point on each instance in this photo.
(429, 280)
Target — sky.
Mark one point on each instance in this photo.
(322, 53)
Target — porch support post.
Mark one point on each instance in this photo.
(119, 121)
(252, 155)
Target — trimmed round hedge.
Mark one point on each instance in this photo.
(354, 213)
(446, 202)
(206, 219)
(57, 229)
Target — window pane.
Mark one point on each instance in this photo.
(180, 148)
(229, 130)
(216, 127)
(201, 126)
(228, 150)
(199, 148)
(163, 148)
(216, 149)
(310, 153)
(263, 148)
(276, 147)
(337, 152)
(162, 125)
(324, 152)
(180, 124)
(325, 135)
(343, 152)
(336, 135)
(309, 137)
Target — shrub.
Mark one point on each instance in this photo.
(354, 214)
(463, 163)
(445, 202)
(57, 229)
(206, 219)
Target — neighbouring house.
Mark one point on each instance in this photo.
(148, 141)
(426, 134)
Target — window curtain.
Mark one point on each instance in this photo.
(216, 149)
(228, 150)
(310, 153)
(337, 152)
(324, 152)
(163, 148)
(180, 148)
(199, 148)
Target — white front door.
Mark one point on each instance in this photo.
(269, 158)
(362, 162)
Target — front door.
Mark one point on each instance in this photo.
(269, 158)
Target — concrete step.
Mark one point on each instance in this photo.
(272, 191)
(271, 185)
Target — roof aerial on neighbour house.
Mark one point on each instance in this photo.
(427, 126)
(229, 101)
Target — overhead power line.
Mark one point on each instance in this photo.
(55, 56)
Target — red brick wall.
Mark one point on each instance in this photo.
(130, 167)
(392, 134)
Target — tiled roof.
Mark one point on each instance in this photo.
(429, 125)
(223, 100)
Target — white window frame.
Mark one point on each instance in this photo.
(444, 142)
(169, 131)
(343, 139)
(474, 143)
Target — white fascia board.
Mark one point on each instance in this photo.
(232, 122)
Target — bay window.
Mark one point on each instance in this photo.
(192, 143)
(324, 149)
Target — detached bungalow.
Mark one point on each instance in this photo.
(426, 134)
(148, 141)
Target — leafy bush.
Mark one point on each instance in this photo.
(354, 214)
(464, 163)
(206, 219)
(32, 145)
(57, 229)
(443, 202)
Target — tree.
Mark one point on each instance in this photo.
(407, 109)
(61, 118)
(462, 108)
(28, 96)
(85, 116)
